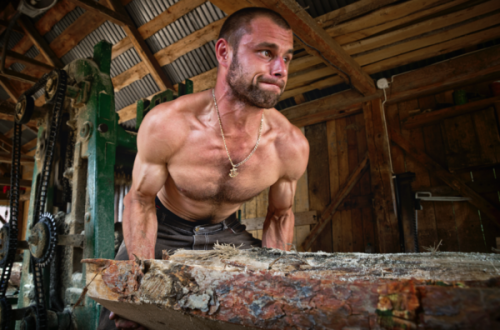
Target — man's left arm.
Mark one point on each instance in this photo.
(280, 220)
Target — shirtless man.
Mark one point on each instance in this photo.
(184, 148)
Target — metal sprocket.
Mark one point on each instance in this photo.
(43, 246)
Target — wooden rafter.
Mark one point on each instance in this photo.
(7, 86)
(451, 180)
(330, 210)
(27, 60)
(40, 42)
(483, 65)
(7, 158)
(433, 117)
(108, 14)
(143, 50)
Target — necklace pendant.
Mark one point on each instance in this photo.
(234, 172)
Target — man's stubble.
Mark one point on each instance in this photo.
(246, 91)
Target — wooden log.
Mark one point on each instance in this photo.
(452, 180)
(433, 117)
(301, 219)
(327, 214)
(272, 289)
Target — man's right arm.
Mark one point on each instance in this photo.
(148, 176)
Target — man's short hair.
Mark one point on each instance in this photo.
(238, 23)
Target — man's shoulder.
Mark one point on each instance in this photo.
(291, 144)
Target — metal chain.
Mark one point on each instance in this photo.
(40, 199)
(224, 139)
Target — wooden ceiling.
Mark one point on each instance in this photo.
(363, 38)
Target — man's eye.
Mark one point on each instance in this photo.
(266, 53)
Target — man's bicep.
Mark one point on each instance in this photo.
(148, 177)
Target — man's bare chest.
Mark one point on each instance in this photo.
(200, 171)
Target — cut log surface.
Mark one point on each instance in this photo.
(228, 288)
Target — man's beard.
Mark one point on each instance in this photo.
(247, 92)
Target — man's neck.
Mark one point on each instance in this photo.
(237, 116)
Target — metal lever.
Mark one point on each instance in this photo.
(427, 196)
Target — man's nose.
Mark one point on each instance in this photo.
(279, 68)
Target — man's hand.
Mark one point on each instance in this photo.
(121, 323)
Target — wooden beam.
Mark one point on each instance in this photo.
(436, 116)
(39, 42)
(4, 181)
(168, 54)
(4, 24)
(7, 86)
(328, 213)
(351, 11)
(143, 50)
(301, 219)
(483, 65)
(110, 15)
(384, 205)
(8, 144)
(308, 30)
(25, 160)
(27, 60)
(451, 180)
(11, 74)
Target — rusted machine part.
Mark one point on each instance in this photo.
(272, 289)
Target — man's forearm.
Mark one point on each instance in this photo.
(278, 230)
(140, 227)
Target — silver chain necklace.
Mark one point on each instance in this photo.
(234, 171)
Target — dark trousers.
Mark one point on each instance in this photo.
(176, 233)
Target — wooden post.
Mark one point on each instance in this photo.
(381, 176)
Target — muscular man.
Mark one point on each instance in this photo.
(203, 155)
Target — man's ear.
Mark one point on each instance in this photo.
(223, 52)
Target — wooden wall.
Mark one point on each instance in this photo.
(338, 146)
(469, 146)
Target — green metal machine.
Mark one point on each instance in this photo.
(73, 180)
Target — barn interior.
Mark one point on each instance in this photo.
(399, 100)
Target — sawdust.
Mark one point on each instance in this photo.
(220, 251)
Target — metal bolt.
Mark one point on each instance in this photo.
(103, 128)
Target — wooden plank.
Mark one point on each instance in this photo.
(143, 50)
(27, 61)
(167, 17)
(318, 180)
(326, 215)
(333, 162)
(121, 47)
(306, 28)
(301, 219)
(343, 172)
(364, 202)
(381, 177)
(422, 28)
(7, 86)
(445, 219)
(387, 18)
(427, 231)
(7, 158)
(358, 8)
(39, 42)
(450, 179)
(117, 18)
(53, 16)
(4, 181)
(356, 221)
(433, 117)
